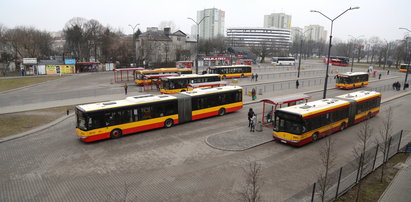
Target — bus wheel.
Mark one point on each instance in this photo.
(315, 137)
(342, 127)
(369, 115)
(221, 111)
(168, 123)
(116, 133)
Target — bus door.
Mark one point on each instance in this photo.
(351, 111)
(184, 108)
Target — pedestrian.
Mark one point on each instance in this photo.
(398, 86)
(125, 88)
(388, 72)
(394, 85)
(253, 122)
(379, 76)
(253, 94)
(252, 77)
(256, 77)
(250, 115)
(297, 84)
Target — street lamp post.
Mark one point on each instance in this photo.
(329, 46)
(355, 42)
(301, 50)
(198, 38)
(134, 43)
(409, 61)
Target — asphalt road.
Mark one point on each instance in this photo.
(168, 164)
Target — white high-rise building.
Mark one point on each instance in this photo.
(315, 33)
(277, 20)
(213, 25)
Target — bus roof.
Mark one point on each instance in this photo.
(315, 107)
(189, 76)
(202, 91)
(360, 95)
(163, 70)
(139, 99)
(232, 66)
(352, 73)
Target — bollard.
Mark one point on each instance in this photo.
(67, 112)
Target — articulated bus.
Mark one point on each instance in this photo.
(145, 77)
(186, 82)
(290, 61)
(405, 67)
(144, 112)
(300, 124)
(235, 71)
(350, 80)
(338, 60)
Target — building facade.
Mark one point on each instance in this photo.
(277, 20)
(315, 33)
(279, 39)
(161, 46)
(213, 25)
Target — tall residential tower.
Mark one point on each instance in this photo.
(277, 20)
(213, 25)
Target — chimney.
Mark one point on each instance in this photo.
(167, 31)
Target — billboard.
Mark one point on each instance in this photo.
(70, 61)
(57, 69)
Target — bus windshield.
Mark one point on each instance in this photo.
(290, 123)
(81, 120)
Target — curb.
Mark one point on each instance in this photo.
(35, 130)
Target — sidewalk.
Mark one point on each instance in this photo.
(399, 189)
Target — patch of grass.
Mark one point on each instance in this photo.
(7, 84)
(16, 123)
(372, 187)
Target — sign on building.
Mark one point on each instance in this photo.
(29, 61)
(70, 61)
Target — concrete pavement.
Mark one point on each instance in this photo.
(399, 188)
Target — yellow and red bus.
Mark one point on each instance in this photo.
(405, 67)
(235, 71)
(351, 80)
(300, 124)
(144, 112)
(187, 82)
(146, 77)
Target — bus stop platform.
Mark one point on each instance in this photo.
(239, 139)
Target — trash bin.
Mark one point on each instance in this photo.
(259, 127)
(249, 93)
(235, 80)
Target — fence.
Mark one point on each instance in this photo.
(349, 175)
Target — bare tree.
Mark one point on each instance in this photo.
(251, 189)
(384, 136)
(262, 50)
(364, 139)
(328, 157)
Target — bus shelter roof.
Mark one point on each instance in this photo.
(129, 69)
(286, 99)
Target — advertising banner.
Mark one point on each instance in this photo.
(57, 69)
(30, 61)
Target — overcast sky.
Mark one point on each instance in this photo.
(380, 18)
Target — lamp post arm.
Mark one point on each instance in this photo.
(341, 14)
(322, 14)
